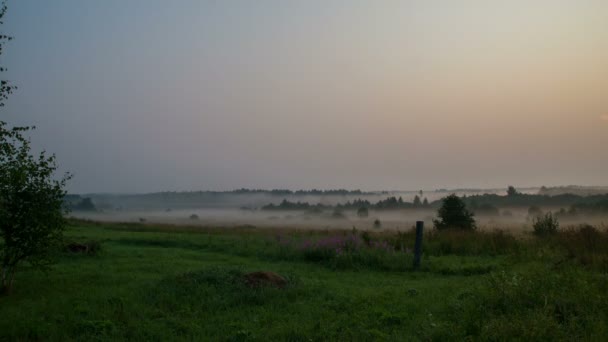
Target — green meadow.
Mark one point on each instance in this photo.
(157, 283)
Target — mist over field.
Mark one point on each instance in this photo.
(238, 209)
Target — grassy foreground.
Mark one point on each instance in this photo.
(167, 283)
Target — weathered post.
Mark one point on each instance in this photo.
(418, 245)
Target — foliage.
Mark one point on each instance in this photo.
(287, 205)
(425, 203)
(6, 88)
(598, 207)
(454, 214)
(390, 203)
(417, 202)
(31, 204)
(528, 200)
(545, 225)
(511, 191)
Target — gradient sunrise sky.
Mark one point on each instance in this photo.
(148, 95)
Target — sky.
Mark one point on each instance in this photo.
(150, 95)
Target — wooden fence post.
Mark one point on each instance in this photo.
(418, 245)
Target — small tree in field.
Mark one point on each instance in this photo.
(511, 191)
(454, 214)
(31, 205)
(417, 202)
(545, 224)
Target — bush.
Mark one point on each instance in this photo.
(377, 224)
(31, 205)
(545, 225)
(453, 214)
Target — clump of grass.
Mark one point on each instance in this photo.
(377, 224)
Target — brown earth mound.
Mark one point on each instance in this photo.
(257, 279)
(77, 248)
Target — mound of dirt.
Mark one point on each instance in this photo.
(257, 279)
(77, 248)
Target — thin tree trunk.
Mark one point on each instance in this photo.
(4, 288)
(8, 274)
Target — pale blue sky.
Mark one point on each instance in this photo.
(146, 95)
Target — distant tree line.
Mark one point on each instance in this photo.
(389, 203)
(78, 203)
(287, 205)
(528, 200)
(340, 192)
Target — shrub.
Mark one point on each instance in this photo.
(377, 224)
(545, 225)
(31, 205)
(454, 214)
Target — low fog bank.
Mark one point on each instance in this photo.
(513, 219)
(236, 200)
(394, 210)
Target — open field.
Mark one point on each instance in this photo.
(517, 222)
(167, 282)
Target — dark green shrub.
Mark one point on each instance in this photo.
(545, 225)
(454, 214)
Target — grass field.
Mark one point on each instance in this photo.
(165, 283)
